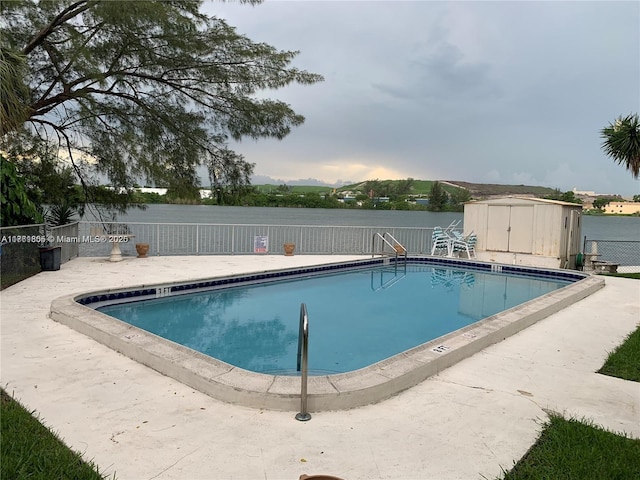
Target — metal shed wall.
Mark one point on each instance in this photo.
(514, 229)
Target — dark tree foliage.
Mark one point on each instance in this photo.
(403, 187)
(14, 94)
(147, 92)
(459, 196)
(230, 176)
(373, 188)
(49, 182)
(621, 142)
(438, 197)
(17, 207)
(567, 196)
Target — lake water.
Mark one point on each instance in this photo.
(594, 227)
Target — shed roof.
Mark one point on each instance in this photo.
(515, 200)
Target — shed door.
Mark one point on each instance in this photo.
(521, 237)
(510, 228)
(498, 228)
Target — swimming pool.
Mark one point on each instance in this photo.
(344, 390)
(359, 317)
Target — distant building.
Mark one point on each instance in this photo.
(159, 191)
(624, 208)
(584, 193)
(204, 193)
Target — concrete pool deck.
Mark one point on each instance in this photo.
(468, 421)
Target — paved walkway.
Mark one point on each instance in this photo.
(469, 422)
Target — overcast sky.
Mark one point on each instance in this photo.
(488, 92)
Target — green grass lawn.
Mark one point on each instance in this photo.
(577, 450)
(624, 361)
(572, 449)
(31, 451)
(635, 276)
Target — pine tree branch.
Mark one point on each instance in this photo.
(67, 14)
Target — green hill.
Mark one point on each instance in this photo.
(271, 188)
(422, 188)
(481, 190)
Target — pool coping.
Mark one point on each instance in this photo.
(371, 384)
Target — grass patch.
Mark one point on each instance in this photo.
(635, 276)
(572, 449)
(624, 361)
(29, 450)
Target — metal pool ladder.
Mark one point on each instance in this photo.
(303, 362)
(388, 240)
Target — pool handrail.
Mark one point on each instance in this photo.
(303, 353)
(396, 246)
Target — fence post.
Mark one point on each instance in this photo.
(233, 238)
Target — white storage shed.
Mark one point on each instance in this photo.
(525, 231)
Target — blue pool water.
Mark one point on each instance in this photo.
(357, 317)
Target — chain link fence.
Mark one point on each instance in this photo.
(19, 252)
(20, 249)
(624, 253)
(66, 237)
